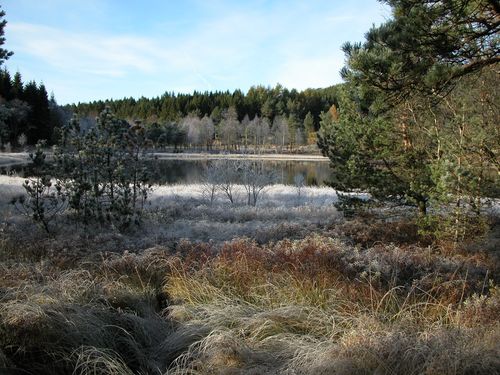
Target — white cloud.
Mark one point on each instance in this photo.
(86, 53)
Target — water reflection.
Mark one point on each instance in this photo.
(315, 173)
(174, 171)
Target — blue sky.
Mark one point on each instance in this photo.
(97, 49)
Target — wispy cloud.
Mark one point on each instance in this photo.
(88, 53)
(232, 45)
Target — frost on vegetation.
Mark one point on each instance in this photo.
(275, 195)
(311, 306)
(43, 199)
(186, 213)
(99, 175)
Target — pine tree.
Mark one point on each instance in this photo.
(4, 54)
(401, 102)
(17, 86)
(425, 47)
(103, 171)
(6, 85)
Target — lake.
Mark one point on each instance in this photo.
(190, 171)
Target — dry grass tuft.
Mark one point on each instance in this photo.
(94, 361)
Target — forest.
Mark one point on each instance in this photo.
(27, 114)
(264, 118)
(390, 267)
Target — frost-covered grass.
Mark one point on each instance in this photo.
(286, 287)
(273, 196)
(177, 212)
(311, 306)
(280, 213)
(10, 186)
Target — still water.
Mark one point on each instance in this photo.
(315, 173)
(174, 171)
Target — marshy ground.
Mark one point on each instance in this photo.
(287, 287)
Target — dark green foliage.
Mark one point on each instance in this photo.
(349, 205)
(103, 171)
(258, 101)
(27, 110)
(4, 54)
(13, 119)
(24, 108)
(367, 154)
(167, 134)
(419, 113)
(425, 47)
(240, 120)
(309, 123)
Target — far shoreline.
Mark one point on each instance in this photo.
(10, 159)
(236, 156)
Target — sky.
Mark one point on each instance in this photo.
(84, 50)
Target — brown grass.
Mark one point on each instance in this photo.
(317, 305)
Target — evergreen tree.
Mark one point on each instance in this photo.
(6, 85)
(17, 86)
(390, 135)
(425, 47)
(103, 171)
(309, 130)
(4, 54)
(367, 153)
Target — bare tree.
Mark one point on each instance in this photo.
(225, 175)
(258, 131)
(245, 123)
(300, 138)
(230, 129)
(299, 182)
(226, 172)
(212, 180)
(22, 140)
(207, 131)
(280, 131)
(264, 131)
(191, 125)
(254, 179)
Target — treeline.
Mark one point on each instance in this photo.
(230, 134)
(27, 114)
(258, 101)
(262, 118)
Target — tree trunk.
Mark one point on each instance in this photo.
(422, 207)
